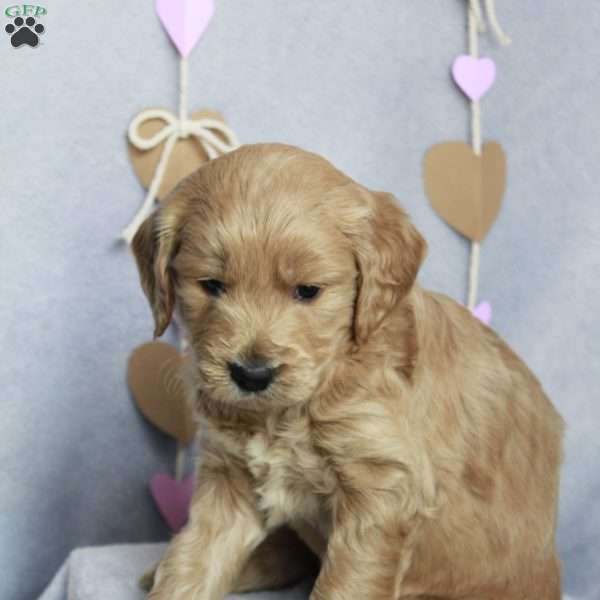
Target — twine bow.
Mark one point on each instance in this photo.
(174, 129)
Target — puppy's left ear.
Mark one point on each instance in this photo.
(154, 246)
(388, 250)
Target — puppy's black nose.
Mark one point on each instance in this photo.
(252, 377)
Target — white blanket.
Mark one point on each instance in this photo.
(112, 573)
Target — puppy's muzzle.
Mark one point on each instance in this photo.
(254, 376)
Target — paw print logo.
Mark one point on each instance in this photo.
(24, 31)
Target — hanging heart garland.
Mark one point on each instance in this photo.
(163, 149)
(465, 184)
(185, 21)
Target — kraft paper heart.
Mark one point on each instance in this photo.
(172, 498)
(466, 189)
(185, 21)
(483, 311)
(474, 76)
(188, 154)
(153, 375)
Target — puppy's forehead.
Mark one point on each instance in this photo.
(271, 179)
(265, 204)
(262, 191)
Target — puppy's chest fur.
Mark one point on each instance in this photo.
(292, 480)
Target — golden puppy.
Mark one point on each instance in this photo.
(339, 403)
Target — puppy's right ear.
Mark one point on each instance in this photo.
(154, 246)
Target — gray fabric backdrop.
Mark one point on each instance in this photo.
(365, 84)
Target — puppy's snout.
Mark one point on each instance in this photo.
(254, 376)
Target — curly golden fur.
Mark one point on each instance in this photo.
(402, 449)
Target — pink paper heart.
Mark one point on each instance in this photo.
(483, 311)
(185, 21)
(474, 76)
(172, 498)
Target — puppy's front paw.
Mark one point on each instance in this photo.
(165, 583)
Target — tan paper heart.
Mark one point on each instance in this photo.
(466, 189)
(153, 377)
(188, 154)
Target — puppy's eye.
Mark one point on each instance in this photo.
(214, 287)
(306, 292)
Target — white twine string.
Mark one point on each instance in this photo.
(179, 461)
(490, 9)
(476, 143)
(478, 16)
(175, 128)
(183, 89)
